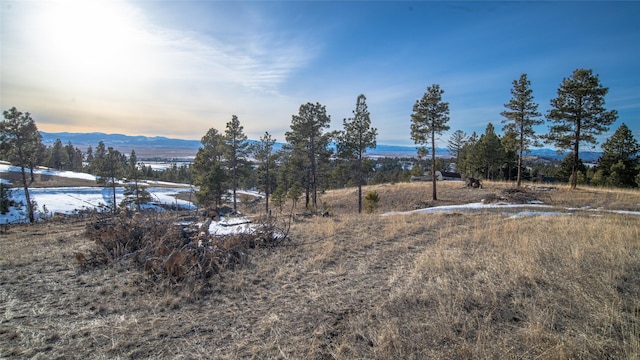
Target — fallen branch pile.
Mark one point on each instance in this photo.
(163, 248)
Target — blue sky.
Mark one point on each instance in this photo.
(178, 68)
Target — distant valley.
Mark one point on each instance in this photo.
(144, 146)
(168, 148)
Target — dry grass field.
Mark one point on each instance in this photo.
(44, 181)
(454, 285)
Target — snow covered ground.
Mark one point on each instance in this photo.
(67, 200)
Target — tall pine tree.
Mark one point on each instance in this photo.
(429, 118)
(467, 167)
(263, 153)
(20, 142)
(134, 193)
(355, 139)
(455, 144)
(490, 154)
(237, 149)
(209, 170)
(110, 170)
(621, 153)
(578, 115)
(59, 156)
(308, 139)
(520, 118)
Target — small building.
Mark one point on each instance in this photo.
(440, 176)
(449, 175)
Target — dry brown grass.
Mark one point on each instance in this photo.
(594, 197)
(42, 181)
(450, 285)
(401, 196)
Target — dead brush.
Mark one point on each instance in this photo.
(124, 237)
(165, 250)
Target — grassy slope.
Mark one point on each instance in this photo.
(458, 285)
(43, 181)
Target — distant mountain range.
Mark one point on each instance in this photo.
(166, 148)
(144, 146)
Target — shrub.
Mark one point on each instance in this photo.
(278, 197)
(5, 199)
(371, 201)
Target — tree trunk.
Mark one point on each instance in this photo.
(433, 163)
(266, 187)
(519, 180)
(576, 158)
(137, 196)
(360, 183)
(113, 190)
(235, 183)
(574, 170)
(314, 185)
(32, 218)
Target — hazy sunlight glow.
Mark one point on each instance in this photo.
(91, 44)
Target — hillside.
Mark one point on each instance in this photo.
(164, 147)
(144, 146)
(454, 284)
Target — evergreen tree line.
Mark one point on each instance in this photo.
(61, 157)
(490, 157)
(309, 163)
(577, 115)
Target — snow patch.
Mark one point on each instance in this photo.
(502, 205)
(471, 206)
(232, 226)
(69, 200)
(535, 213)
